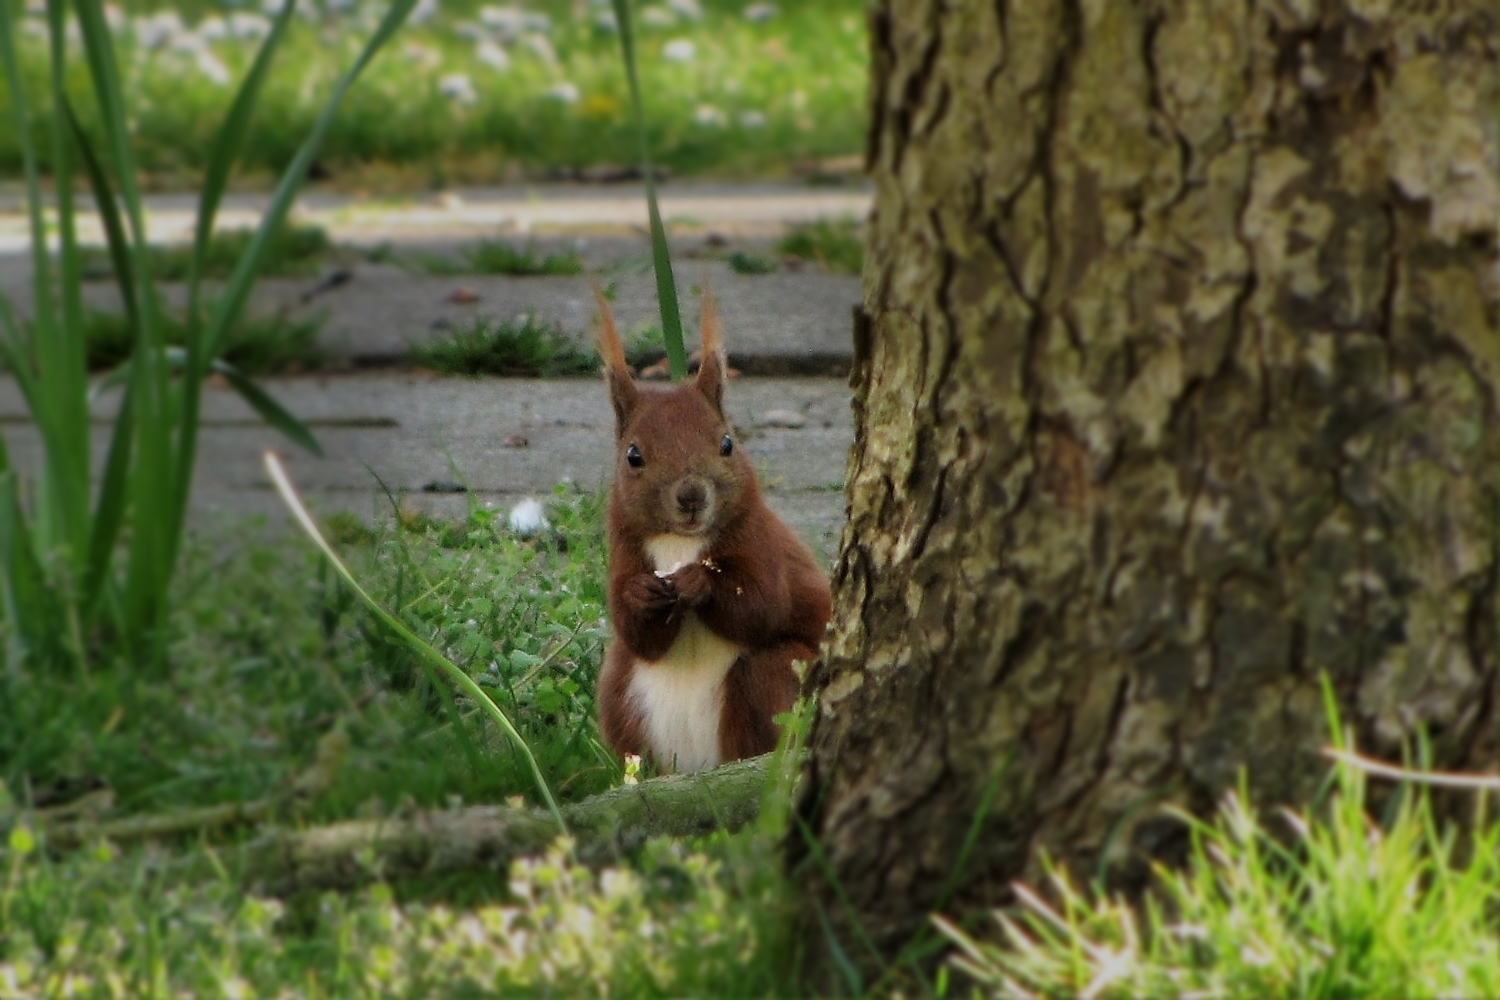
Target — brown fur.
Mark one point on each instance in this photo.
(755, 583)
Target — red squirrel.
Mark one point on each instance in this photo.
(711, 596)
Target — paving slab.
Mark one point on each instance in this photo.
(413, 431)
(733, 208)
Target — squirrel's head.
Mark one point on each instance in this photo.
(678, 469)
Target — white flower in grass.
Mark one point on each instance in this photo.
(756, 13)
(458, 87)
(186, 44)
(566, 92)
(679, 50)
(36, 8)
(114, 17)
(213, 28)
(542, 48)
(752, 119)
(471, 32)
(210, 66)
(492, 56)
(339, 6)
(421, 54)
(605, 21)
(708, 115)
(656, 17)
(272, 7)
(247, 26)
(509, 21)
(158, 28)
(690, 10)
(423, 12)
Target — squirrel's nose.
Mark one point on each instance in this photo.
(692, 497)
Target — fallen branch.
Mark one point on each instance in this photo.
(605, 828)
(308, 786)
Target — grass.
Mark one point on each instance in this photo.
(275, 654)
(493, 257)
(270, 654)
(524, 347)
(263, 345)
(292, 250)
(88, 549)
(749, 262)
(836, 245)
(1329, 903)
(751, 97)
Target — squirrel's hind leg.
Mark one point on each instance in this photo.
(760, 686)
(620, 721)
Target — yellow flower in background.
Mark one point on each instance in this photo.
(599, 107)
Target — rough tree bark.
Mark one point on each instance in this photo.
(1174, 387)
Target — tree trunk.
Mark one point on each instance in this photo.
(1174, 387)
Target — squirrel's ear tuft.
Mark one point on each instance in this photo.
(617, 374)
(715, 366)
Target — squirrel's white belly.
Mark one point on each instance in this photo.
(681, 696)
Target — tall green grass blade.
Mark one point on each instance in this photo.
(222, 155)
(60, 357)
(115, 238)
(12, 525)
(109, 508)
(271, 411)
(422, 650)
(237, 290)
(661, 258)
(153, 533)
(41, 274)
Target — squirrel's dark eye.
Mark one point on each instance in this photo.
(726, 445)
(633, 456)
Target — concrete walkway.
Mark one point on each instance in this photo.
(507, 439)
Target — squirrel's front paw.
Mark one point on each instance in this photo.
(694, 584)
(651, 593)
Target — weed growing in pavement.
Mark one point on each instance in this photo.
(492, 257)
(291, 251)
(836, 245)
(749, 262)
(262, 345)
(524, 347)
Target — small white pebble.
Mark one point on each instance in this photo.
(782, 418)
(528, 518)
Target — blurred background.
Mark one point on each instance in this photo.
(472, 93)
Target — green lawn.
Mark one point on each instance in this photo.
(269, 655)
(725, 93)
